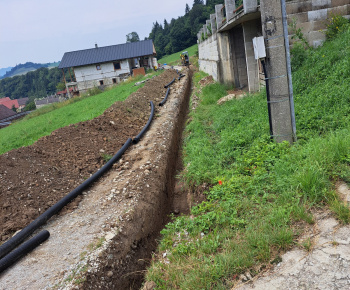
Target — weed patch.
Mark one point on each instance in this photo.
(260, 189)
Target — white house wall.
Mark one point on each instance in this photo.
(90, 72)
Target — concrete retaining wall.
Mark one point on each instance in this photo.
(209, 56)
(217, 52)
(312, 17)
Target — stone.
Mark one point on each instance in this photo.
(226, 98)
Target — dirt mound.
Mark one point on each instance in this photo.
(206, 81)
(34, 178)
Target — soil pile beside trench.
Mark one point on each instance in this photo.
(105, 240)
(34, 178)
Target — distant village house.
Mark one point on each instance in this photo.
(106, 66)
(18, 104)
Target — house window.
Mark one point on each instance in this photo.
(114, 81)
(116, 65)
(98, 67)
(101, 83)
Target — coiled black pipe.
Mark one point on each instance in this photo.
(138, 137)
(23, 249)
(39, 221)
(165, 98)
(169, 83)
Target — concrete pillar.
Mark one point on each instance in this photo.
(199, 36)
(250, 30)
(230, 6)
(208, 26)
(219, 16)
(277, 73)
(213, 23)
(250, 6)
(226, 68)
(205, 30)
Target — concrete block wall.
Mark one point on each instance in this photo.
(215, 57)
(250, 30)
(312, 17)
(209, 56)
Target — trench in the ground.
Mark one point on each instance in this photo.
(128, 265)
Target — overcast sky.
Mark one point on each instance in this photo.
(42, 31)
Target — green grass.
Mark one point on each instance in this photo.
(174, 58)
(47, 119)
(266, 189)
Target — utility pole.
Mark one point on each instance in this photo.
(278, 70)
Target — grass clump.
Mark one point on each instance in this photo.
(261, 192)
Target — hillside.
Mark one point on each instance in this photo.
(22, 69)
(259, 196)
(4, 70)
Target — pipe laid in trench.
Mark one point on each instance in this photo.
(169, 84)
(181, 76)
(165, 98)
(23, 249)
(12, 243)
(143, 131)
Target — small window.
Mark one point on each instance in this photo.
(98, 67)
(114, 81)
(116, 65)
(101, 83)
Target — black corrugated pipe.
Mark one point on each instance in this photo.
(23, 250)
(165, 98)
(267, 96)
(169, 83)
(39, 221)
(138, 137)
(181, 76)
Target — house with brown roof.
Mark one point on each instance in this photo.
(7, 102)
(6, 112)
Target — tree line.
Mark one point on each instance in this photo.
(180, 33)
(168, 38)
(34, 84)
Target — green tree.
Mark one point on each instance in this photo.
(60, 87)
(187, 9)
(14, 108)
(132, 37)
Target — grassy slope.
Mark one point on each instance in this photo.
(175, 57)
(267, 188)
(52, 117)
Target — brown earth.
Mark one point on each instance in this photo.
(34, 178)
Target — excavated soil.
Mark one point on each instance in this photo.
(34, 178)
(105, 239)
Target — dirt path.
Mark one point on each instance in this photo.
(108, 237)
(322, 262)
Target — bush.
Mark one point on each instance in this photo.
(337, 24)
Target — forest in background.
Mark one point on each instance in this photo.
(180, 33)
(168, 38)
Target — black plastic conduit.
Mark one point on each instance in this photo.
(181, 76)
(165, 98)
(42, 219)
(267, 96)
(169, 83)
(23, 249)
(138, 137)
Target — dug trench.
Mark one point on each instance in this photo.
(105, 239)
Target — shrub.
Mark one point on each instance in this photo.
(337, 24)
